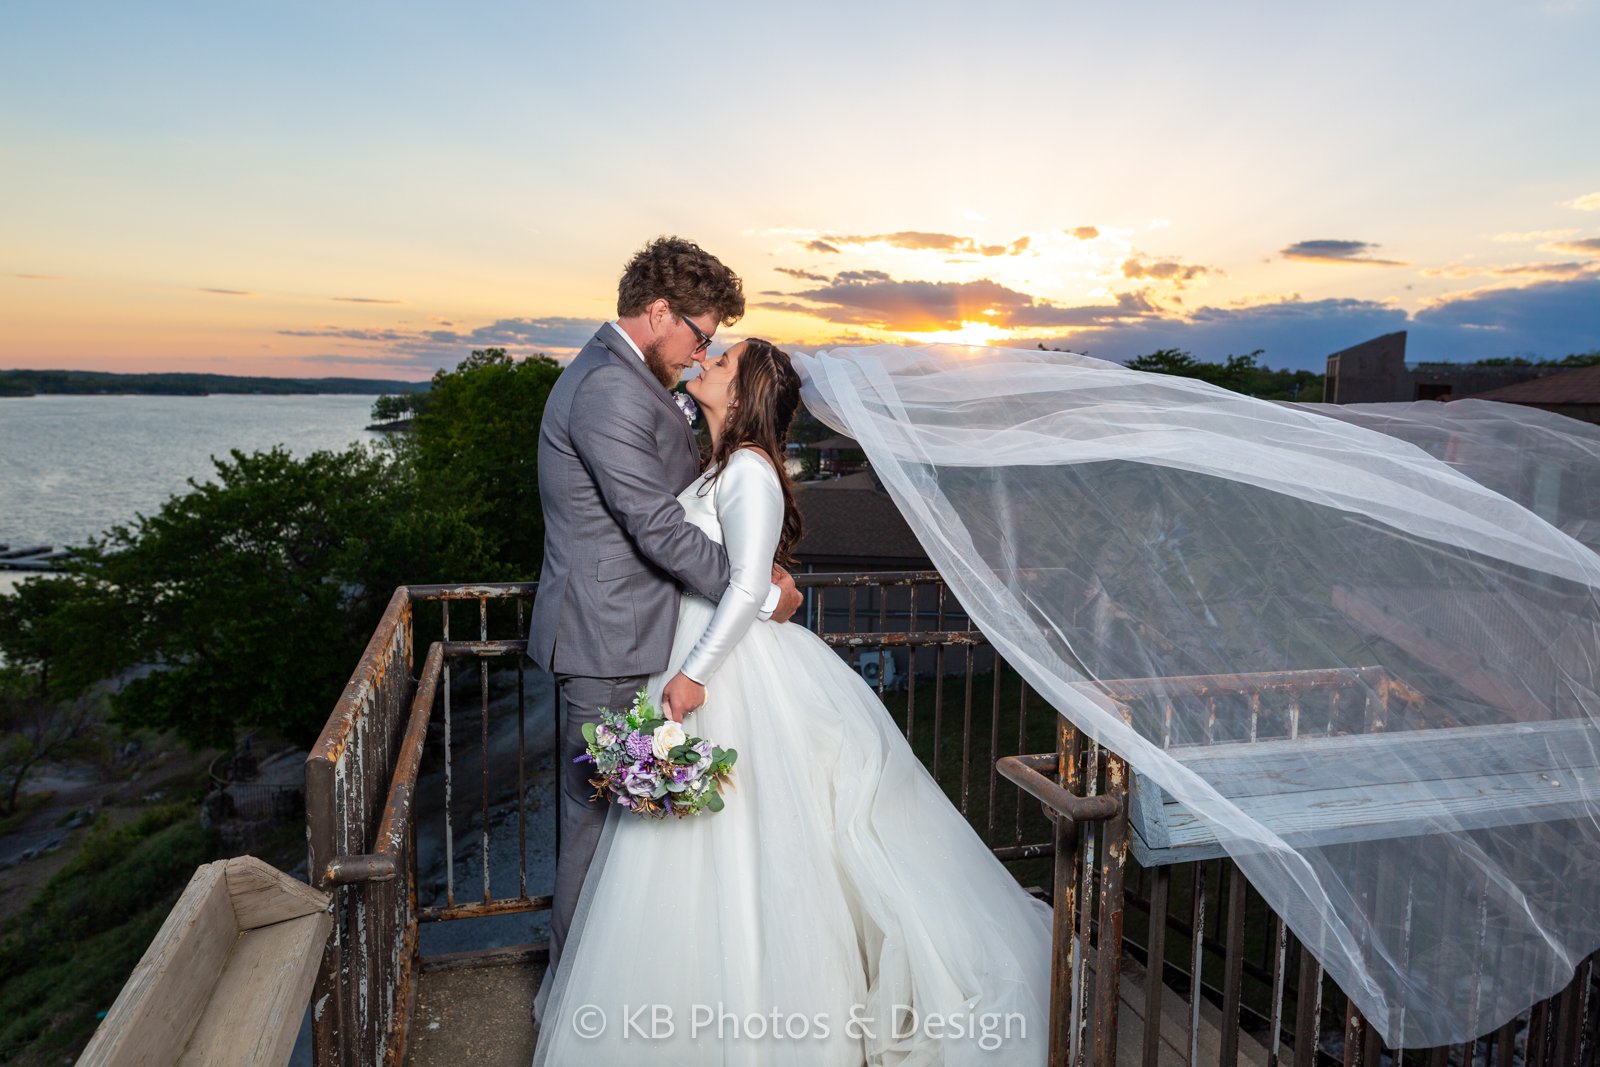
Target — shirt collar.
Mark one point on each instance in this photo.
(618, 327)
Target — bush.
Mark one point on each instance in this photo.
(68, 954)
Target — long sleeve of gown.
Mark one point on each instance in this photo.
(749, 505)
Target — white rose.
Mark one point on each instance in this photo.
(666, 737)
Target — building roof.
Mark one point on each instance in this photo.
(1578, 386)
(853, 518)
(837, 443)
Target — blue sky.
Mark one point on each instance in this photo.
(373, 190)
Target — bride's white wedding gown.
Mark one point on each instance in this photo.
(838, 884)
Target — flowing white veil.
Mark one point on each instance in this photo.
(1099, 523)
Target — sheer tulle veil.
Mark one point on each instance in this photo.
(1101, 523)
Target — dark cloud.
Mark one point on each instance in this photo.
(1329, 251)
(364, 300)
(1588, 246)
(445, 347)
(1546, 320)
(1164, 270)
(542, 333)
(872, 298)
(1551, 318)
(352, 334)
(803, 275)
(1084, 233)
(820, 246)
(229, 292)
(1044, 316)
(915, 306)
(779, 305)
(924, 241)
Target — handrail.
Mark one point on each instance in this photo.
(1026, 772)
(383, 864)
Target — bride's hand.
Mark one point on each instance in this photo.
(682, 695)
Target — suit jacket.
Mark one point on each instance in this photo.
(614, 452)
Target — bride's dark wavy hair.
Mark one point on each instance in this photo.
(766, 395)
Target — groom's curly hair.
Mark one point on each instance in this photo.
(691, 279)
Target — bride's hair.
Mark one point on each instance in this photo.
(766, 395)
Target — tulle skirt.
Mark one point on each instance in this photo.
(838, 911)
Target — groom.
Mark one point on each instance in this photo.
(614, 452)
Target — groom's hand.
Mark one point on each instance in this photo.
(682, 695)
(789, 598)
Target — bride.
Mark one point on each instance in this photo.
(838, 910)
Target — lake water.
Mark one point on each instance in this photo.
(71, 466)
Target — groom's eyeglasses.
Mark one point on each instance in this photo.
(705, 342)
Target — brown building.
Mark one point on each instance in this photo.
(1375, 371)
(1575, 393)
(852, 526)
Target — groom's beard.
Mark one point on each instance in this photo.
(668, 376)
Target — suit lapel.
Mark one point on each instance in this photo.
(623, 351)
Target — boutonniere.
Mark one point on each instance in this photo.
(686, 404)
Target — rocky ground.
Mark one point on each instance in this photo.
(65, 801)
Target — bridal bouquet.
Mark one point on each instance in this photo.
(646, 763)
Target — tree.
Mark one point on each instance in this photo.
(1242, 374)
(476, 447)
(389, 407)
(1167, 361)
(392, 406)
(250, 596)
(35, 730)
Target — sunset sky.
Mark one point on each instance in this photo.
(374, 190)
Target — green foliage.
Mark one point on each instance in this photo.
(1581, 359)
(391, 407)
(1242, 374)
(253, 594)
(246, 601)
(69, 952)
(476, 450)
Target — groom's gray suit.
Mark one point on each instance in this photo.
(614, 452)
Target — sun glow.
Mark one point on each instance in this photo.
(970, 333)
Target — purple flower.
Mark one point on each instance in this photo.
(582, 758)
(637, 746)
(686, 405)
(640, 780)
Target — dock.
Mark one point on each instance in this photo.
(33, 557)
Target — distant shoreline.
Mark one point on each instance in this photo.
(28, 383)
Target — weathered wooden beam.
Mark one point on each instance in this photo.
(226, 979)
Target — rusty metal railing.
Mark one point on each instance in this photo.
(1048, 801)
(365, 981)
(1201, 939)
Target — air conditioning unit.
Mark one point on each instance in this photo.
(878, 665)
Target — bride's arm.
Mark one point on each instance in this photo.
(749, 505)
